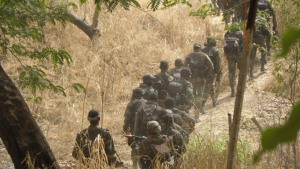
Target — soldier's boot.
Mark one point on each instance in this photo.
(251, 73)
(262, 67)
(232, 91)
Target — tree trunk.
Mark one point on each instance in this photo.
(19, 131)
(235, 125)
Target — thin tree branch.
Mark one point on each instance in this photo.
(81, 24)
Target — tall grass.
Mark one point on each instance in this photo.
(131, 44)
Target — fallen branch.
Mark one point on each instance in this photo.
(257, 124)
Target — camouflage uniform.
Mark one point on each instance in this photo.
(258, 42)
(155, 149)
(187, 96)
(175, 72)
(188, 123)
(148, 112)
(266, 6)
(147, 85)
(200, 65)
(86, 138)
(178, 143)
(162, 80)
(131, 109)
(129, 119)
(233, 51)
(212, 80)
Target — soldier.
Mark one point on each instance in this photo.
(175, 72)
(186, 97)
(213, 79)
(83, 148)
(156, 150)
(233, 50)
(258, 42)
(147, 85)
(162, 80)
(188, 122)
(147, 112)
(264, 6)
(178, 143)
(129, 119)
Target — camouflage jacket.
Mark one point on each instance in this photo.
(146, 89)
(148, 112)
(86, 138)
(147, 152)
(188, 121)
(175, 72)
(178, 143)
(129, 115)
(161, 84)
(187, 95)
(200, 64)
(215, 57)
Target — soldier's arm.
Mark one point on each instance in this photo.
(209, 65)
(187, 61)
(109, 148)
(218, 69)
(76, 149)
(190, 94)
(273, 14)
(128, 116)
(137, 123)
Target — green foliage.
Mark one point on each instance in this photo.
(290, 37)
(153, 4)
(273, 136)
(287, 74)
(234, 26)
(79, 87)
(22, 36)
(33, 78)
(204, 11)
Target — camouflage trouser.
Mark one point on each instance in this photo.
(198, 90)
(263, 58)
(198, 85)
(211, 88)
(233, 62)
(134, 156)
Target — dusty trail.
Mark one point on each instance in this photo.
(265, 106)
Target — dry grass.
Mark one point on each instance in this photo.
(132, 44)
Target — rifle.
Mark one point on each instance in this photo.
(134, 139)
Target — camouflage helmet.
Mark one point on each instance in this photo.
(138, 92)
(164, 65)
(93, 115)
(148, 78)
(197, 45)
(153, 127)
(169, 103)
(210, 41)
(178, 62)
(151, 95)
(185, 72)
(168, 119)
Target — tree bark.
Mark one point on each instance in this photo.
(235, 126)
(19, 131)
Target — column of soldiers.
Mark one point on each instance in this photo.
(262, 34)
(157, 119)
